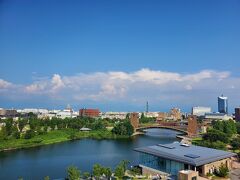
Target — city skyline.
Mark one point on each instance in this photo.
(116, 56)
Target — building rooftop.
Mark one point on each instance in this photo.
(189, 154)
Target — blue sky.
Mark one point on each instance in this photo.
(46, 45)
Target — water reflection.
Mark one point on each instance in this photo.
(52, 160)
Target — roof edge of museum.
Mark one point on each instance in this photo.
(176, 157)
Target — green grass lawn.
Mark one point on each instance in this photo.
(55, 137)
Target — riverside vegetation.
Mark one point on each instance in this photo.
(31, 131)
(222, 135)
(101, 172)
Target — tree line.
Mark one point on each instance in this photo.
(98, 172)
(29, 127)
(221, 134)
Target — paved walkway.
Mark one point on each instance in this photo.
(235, 174)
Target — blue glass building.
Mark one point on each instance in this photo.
(223, 104)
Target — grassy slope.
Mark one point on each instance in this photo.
(55, 137)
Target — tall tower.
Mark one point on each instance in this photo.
(192, 128)
(147, 107)
(223, 104)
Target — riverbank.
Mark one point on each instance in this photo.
(56, 136)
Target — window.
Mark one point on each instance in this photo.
(194, 178)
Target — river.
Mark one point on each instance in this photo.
(52, 160)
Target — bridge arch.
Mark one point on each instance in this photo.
(179, 129)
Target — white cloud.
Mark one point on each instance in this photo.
(57, 82)
(46, 85)
(4, 84)
(132, 86)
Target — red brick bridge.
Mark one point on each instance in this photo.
(166, 125)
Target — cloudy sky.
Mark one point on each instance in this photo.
(116, 55)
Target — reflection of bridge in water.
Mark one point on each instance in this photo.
(165, 125)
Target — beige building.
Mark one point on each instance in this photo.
(183, 161)
(187, 175)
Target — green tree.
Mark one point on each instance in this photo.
(235, 143)
(97, 170)
(147, 120)
(21, 124)
(119, 171)
(34, 124)
(29, 134)
(214, 135)
(32, 115)
(3, 133)
(136, 171)
(17, 135)
(123, 128)
(229, 127)
(15, 132)
(98, 125)
(53, 123)
(218, 125)
(107, 171)
(216, 145)
(238, 127)
(125, 164)
(86, 175)
(73, 173)
(222, 171)
(47, 178)
(9, 125)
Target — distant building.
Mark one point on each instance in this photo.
(113, 115)
(223, 104)
(8, 113)
(217, 116)
(66, 113)
(162, 116)
(237, 114)
(175, 113)
(151, 114)
(32, 110)
(89, 113)
(200, 111)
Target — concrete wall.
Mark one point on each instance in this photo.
(187, 175)
(215, 165)
(146, 171)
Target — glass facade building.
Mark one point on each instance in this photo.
(170, 159)
(223, 104)
(161, 164)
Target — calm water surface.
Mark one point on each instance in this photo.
(52, 160)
